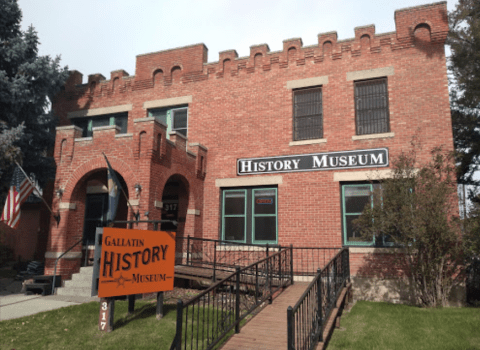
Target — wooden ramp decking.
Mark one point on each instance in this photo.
(268, 329)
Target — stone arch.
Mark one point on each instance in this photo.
(157, 77)
(422, 33)
(176, 196)
(292, 53)
(365, 42)
(95, 164)
(90, 195)
(257, 60)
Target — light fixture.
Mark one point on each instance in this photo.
(59, 192)
(138, 188)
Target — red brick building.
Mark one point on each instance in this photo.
(276, 147)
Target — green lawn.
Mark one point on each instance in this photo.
(386, 326)
(76, 327)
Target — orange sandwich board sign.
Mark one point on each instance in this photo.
(136, 262)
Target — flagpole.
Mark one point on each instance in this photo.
(56, 216)
(136, 215)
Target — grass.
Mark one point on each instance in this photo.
(76, 327)
(385, 326)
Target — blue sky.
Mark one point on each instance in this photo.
(100, 36)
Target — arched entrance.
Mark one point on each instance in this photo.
(175, 203)
(96, 205)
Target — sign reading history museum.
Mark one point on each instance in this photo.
(367, 158)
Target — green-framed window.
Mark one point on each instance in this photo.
(250, 215)
(234, 218)
(87, 124)
(175, 118)
(354, 199)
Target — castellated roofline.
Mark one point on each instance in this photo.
(190, 63)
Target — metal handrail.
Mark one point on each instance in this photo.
(233, 280)
(56, 262)
(336, 278)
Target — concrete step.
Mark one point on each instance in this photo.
(82, 277)
(80, 284)
(77, 283)
(86, 270)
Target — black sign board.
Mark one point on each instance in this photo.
(367, 158)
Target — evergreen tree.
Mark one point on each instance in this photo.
(28, 83)
(464, 41)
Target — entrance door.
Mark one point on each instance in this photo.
(96, 209)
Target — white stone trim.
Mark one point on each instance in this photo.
(370, 73)
(362, 175)
(158, 204)
(106, 127)
(307, 142)
(374, 250)
(193, 212)
(84, 139)
(68, 127)
(373, 136)
(175, 133)
(146, 119)
(195, 144)
(99, 111)
(135, 202)
(250, 181)
(123, 135)
(69, 255)
(301, 83)
(66, 205)
(166, 102)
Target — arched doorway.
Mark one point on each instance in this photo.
(96, 205)
(175, 203)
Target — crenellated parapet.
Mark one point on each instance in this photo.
(416, 27)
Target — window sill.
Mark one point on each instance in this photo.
(307, 142)
(373, 136)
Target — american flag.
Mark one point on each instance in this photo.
(16, 196)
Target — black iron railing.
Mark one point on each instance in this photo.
(307, 319)
(205, 320)
(224, 256)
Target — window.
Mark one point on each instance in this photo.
(307, 114)
(371, 106)
(87, 124)
(354, 199)
(249, 215)
(175, 118)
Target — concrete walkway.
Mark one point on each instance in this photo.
(14, 304)
(268, 329)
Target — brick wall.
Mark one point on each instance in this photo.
(241, 107)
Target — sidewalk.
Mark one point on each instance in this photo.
(14, 304)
